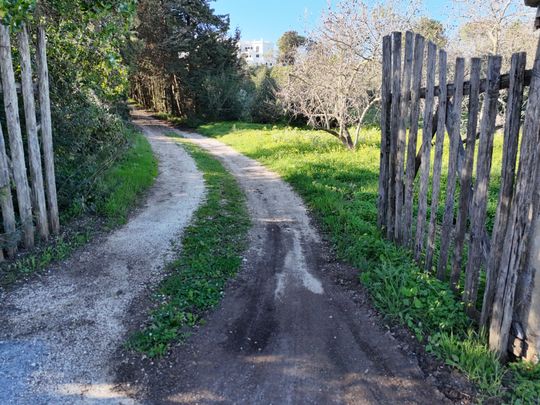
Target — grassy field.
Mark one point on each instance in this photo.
(117, 191)
(211, 254)
(340, 187)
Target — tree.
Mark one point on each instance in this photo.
(186, 63)
(432, 30)
(337, 80)
(288, 45)
(498, 27)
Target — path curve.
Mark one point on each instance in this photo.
(58, 333)
(285, 333)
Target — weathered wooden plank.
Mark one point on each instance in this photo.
(15, 137)
(385, 132)
(466, 173)
(46, 131)
(402, 132)
(34, 152)
(510, 148)
(394, 129)
(483, 171)
(426, 149)
(6, 199)
(455, 140)
(519, 226)
(437, 164)
(504, 83)
(413, 136)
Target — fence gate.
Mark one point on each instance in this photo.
(442, 217)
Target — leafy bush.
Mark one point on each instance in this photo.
(88, 141)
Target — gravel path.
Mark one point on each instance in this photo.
(58, 333)
(285, 332)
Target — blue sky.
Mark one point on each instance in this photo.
(268, 19)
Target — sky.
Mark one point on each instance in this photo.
(269, 19)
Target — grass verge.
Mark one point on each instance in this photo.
(117, 191)
(211, 254)
(121, 186)
(341, 189)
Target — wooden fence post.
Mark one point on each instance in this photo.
(483, 171)
(437, 167)
(466, 172)
(510, 148)
(520, 222)
(15, 137)
(455, 139)
(46, 131)
(6, 199)
(402, 132)
(413, 137)
(426, 151)
(385, 132)
(34, 152)
(394, 128)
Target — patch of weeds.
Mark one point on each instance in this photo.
(524, 383)
(472, 357)
(28, 264)
(211, 254)
(414, 298)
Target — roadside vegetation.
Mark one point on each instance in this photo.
(211, 254)
(341, 188)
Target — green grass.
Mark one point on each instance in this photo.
(121, 186)
(341, 187)
(118, 191)
(210, 255)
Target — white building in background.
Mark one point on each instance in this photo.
(258, 52)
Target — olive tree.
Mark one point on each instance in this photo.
(336, 78)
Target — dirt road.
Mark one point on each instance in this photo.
(58, 333)
(285, 333)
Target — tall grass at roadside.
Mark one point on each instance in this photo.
(341, 187)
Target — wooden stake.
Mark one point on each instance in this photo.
(6, 199)
(413, 139)
(426, 150)
(46, 131)
(385, 132)
(437, 166)
(394, 128)
(402, 133)
(466, 173)
(34, 152)
(455, 140)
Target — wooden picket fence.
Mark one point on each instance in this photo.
(459, 248)
(36, 200)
